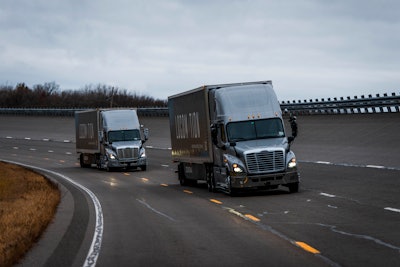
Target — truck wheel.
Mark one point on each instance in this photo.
(231, 191)
(293, 187)
(82, 162)
(211, 182)
(181, 175)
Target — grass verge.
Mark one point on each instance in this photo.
(28, 202)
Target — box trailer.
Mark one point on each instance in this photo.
(232, 136)
(110, 138)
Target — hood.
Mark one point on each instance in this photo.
(261, 144)
(126, 144)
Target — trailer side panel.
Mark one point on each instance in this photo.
(190, 127)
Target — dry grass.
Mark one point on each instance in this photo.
(28, 202)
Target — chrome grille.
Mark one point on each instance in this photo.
(265, 161)
(128, 153)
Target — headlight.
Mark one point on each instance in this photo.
(236, 168)
(111, 154)
(143, 153)
(292, 163)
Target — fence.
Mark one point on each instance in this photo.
(370, 104)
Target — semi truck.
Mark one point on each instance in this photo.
(110, 139)
(233, 137)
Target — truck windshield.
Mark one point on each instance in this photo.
(255, 129)
(125, 135)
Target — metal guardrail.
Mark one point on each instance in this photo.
(370, 104)
(148, 112)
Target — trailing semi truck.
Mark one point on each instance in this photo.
(233, 137)
(110, 138)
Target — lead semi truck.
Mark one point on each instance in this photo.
(110, 138)
(233, 137)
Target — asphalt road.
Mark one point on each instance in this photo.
(347, 212)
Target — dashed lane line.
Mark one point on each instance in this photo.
(392, 209)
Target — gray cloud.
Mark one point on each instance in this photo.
(309, 49)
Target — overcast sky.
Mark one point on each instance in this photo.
(308, 48)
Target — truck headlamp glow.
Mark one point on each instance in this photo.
(236, 168)
(111, 154)
(292, 163)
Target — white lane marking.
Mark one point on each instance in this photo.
(352, 165)
(9, 137)
(156, 211)
(67, 141)
(332, 207)
(327, 195)
(32, 149)
(164, 165)
(375, 166)
(50, 151)
(392, 209)
(15, 147)
(324, 162)
(333, 228)
(27, 138)
(46, 139)
(68, 153)
(94, 250)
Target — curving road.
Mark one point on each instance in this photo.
(347, 212)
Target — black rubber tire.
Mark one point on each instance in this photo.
(181, 175)
(293, 187)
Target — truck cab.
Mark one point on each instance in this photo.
(110, 138)
(233, 137)
(252, 149)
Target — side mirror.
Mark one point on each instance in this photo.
(290, 139)
(145, 134)
(293, 125)
(214, 134)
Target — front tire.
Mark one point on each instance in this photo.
(211, 181)
(293, 187)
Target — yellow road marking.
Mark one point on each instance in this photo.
(251, 217)
(127, 173)
(216, 201)
(145, 180)
(307, 247)
(62, 161)
(188, 192)
(165, 185)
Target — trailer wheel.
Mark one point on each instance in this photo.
(181, 175)
(82, 162)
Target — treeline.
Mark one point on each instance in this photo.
(49, 95)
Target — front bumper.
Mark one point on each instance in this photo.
(127, 163)
(264, 181)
